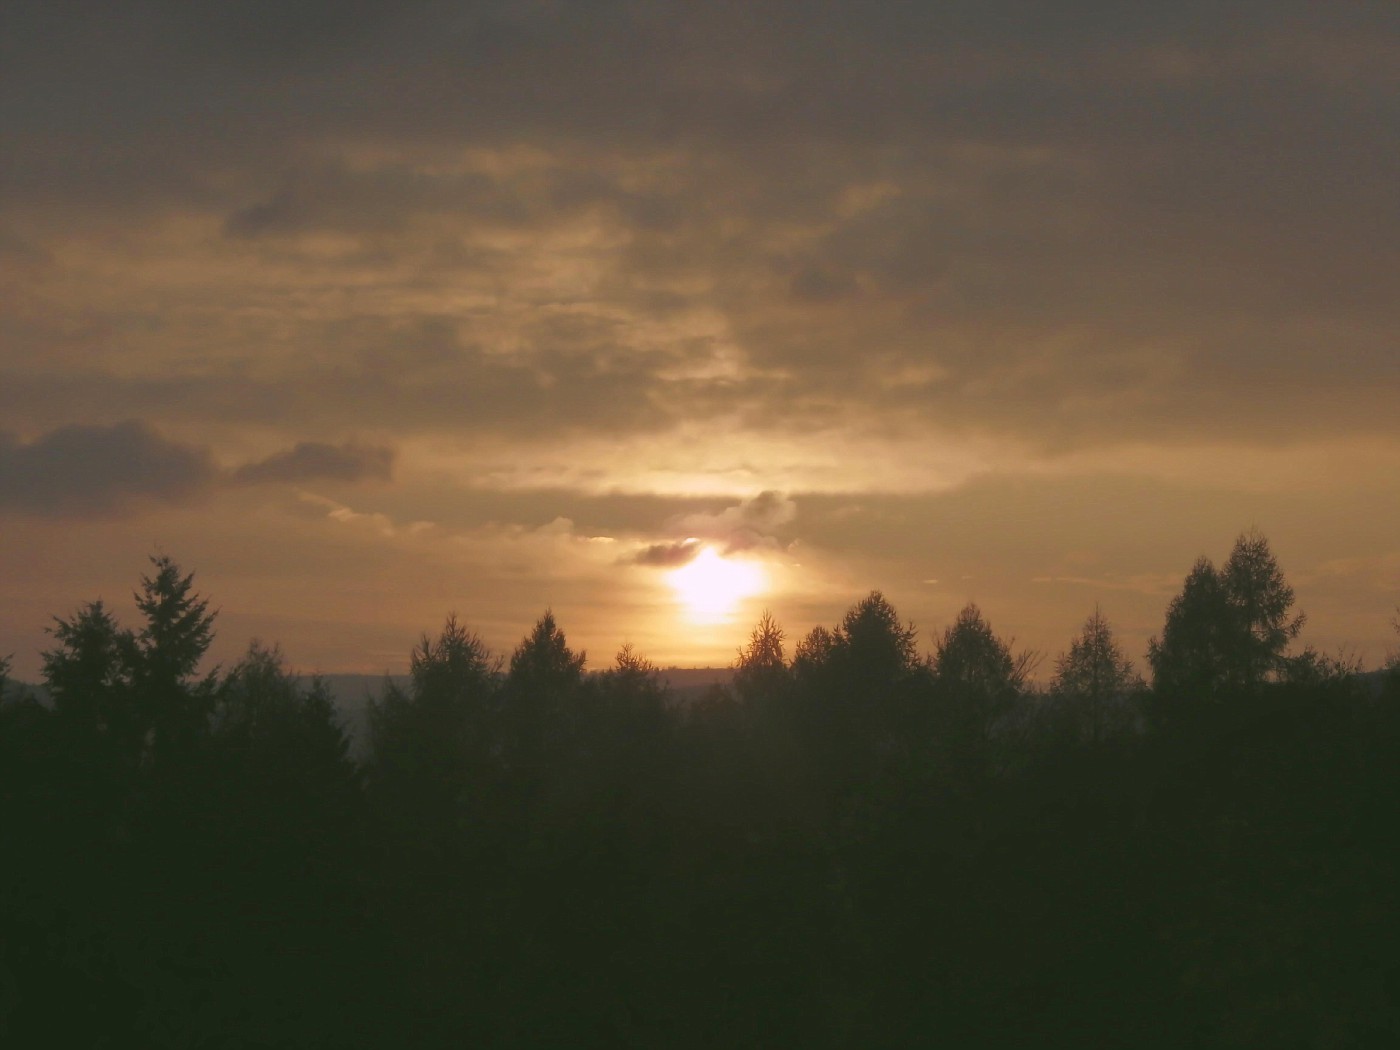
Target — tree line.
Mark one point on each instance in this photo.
(851, 844)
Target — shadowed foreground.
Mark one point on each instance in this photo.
(852, 846)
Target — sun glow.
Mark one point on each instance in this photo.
(711, 587)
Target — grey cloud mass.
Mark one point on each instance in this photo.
(87, 470)
(648, 260)
(753, 524)
(666, 555)
(1069, 223)
(314, 460)
(99, 470)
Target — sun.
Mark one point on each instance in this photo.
(711, 586)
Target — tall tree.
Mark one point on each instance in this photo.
(632, 685)
(1391, 678)
(873, 645)
(1094, 679)
(1260, 601)
(542, 689)
(971, 659)
(89, 674)
(1191, 659)
(858, 686)
(445, 722)
(761, 672)
(270, 719)
(812, 655)
(1228, 628)
(177, 632)
(977, 675)
(456, 666)
(543, 660)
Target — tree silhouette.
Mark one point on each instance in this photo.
(286, 802)
(177, 631)
(1226, 628)
(1192, 658)
(456, 666)
(434, 773)
(1260, 601)
(543, 662)
(546, 857)
(89, 675)
(426, 743)
(813, 653)
(541, 692)
(1094, 680)
(970, 660)
(872, 644)
(267, 716)
(632, 686)
(761, 671)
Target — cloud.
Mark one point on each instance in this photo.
(94, 470)
(666, 555)
(751, 524)
(316, 461)
(1084, 226)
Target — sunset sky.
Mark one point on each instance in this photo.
(369, 312)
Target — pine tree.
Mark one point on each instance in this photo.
(1260, 601)
(443, 728)
(177, 632)
(760, 672)
(972, 660)
(1228, 628)
(89, 675)
(542, 688)
(1191, 658)
(873, 645)
(977, 674)
(1094, 679)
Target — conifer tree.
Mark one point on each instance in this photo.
(1191, 658)
(89, 675)
(1094, 678)
(1260, 600)
(1228, 628)
(977, 675)
(177, 632)
(760, 671)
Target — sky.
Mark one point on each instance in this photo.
(368, 312)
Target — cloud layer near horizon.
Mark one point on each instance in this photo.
(96, 471)
(530, 255)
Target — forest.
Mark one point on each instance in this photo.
(856, 843)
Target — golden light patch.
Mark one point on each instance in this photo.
(710, 587)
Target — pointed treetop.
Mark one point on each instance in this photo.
(969, 655)
(765, 648)
(456, 660)
(179, 626)
(544, 658)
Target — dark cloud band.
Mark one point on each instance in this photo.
(313, 460)
(95, 470)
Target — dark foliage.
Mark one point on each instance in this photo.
(858, 847)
